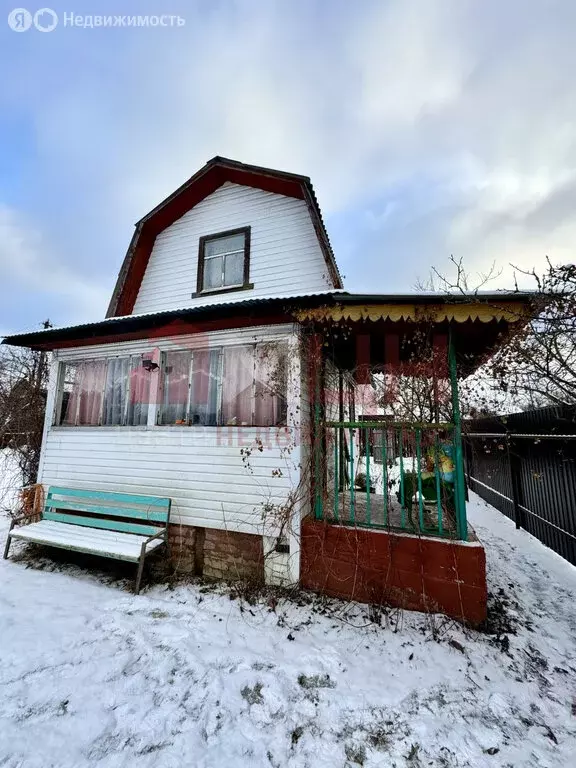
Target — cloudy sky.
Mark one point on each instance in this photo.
(428, 127)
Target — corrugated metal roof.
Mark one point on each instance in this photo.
(189, 309)
(439, 296)
(131, 323)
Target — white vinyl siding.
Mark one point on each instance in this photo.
(285, 256)
(207, 482)
(199, 468)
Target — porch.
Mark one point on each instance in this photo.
(388, 493)
(392, 476)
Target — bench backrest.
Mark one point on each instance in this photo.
(124, 512)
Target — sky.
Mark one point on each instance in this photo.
(428, 128)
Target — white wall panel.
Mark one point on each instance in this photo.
(285, 256)
(199, 468)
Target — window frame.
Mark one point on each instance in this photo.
(157, 404)
(245, 285)
(221, 351)
(162, 405)
(57, 413)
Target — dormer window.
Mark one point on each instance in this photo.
(224, 262)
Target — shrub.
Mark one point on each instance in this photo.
(361, 483)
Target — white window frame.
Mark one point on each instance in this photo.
(58, 401)
(156, 404)
(223, 256)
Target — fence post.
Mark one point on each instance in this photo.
(516, 478)
(468, 451)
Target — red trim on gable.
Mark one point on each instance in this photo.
(195, 191)
(206, 181)
(141, 249)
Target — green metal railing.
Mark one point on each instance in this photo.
(460, 482)
(390, 475)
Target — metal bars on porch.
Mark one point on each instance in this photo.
(391, 474)
(399, 476)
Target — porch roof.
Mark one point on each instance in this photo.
(482, 316)
(432, 307)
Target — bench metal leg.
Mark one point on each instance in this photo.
(140, 569)
(9, 539)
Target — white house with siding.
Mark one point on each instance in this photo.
(228, 376)
(170, 395)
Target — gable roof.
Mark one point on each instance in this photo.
(216, 172)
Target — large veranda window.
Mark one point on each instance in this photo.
(190, 387)
(230, 386)
(113, 392)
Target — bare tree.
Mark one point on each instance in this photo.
(461, 282)
(23, 385)
(537, 364)
(540, 361)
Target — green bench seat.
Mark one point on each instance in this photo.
(122, 526)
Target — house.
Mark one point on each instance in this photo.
(226, 376)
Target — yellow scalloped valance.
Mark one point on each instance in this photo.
(511, 312)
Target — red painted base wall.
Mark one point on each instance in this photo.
(412, 572)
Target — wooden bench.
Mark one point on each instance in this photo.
(122, 526)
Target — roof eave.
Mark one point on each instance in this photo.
(49, 338)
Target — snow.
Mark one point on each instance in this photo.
(186, 676)
(125, 546)
(410, 464)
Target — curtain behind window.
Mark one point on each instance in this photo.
(176, 385)
(204, 387)
(85, 398)
(271, 384)
(116, 391)
(70, 393)
(139, 393)
(237, 386)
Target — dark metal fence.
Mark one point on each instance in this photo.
(525, 466)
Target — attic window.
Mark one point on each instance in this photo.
(224, 262)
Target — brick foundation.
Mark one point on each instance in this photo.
(403, 570)
(185, 548)
(216, 554)
(229, 555)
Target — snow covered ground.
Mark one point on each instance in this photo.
(92, 676)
